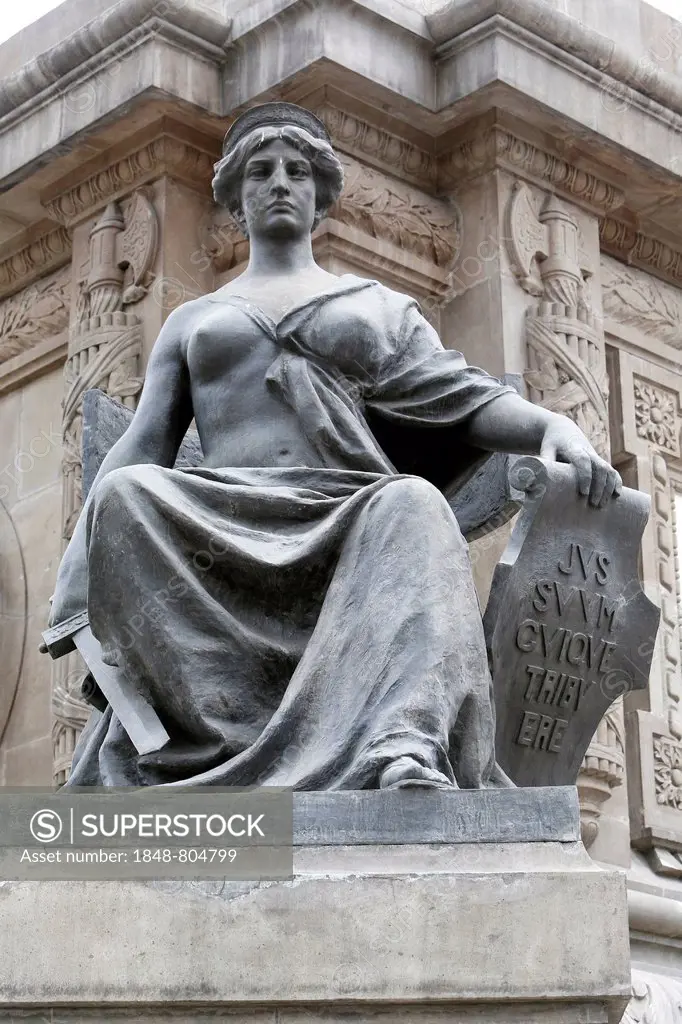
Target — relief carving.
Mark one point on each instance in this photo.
(36, 259)
(104, 352)
(633, 247)
(638, 300)
(34, 314)
(668, 771)
(396, 155)
(388, 209)
(497, 147)
(656, 999)
(664, 533)
(165, 154)
(656, 417)
(567, 374)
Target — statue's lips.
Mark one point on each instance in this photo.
(281, 206)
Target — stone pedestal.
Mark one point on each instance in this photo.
(437, 928)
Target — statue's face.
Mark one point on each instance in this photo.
(278, 192)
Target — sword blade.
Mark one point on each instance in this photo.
(135, 714)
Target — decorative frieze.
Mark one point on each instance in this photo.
(637, 300)
(34, 314)
(388, 209)
(495, 147)
(647, 398)
(166, 154)
(669, 631)
(35, 259)
(367, 142)
(620, 239)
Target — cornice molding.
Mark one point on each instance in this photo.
(164, 155)
(626, 243)
(360, 138)
(565, 32)
(496, 147)
(120, 26)
(36, 258)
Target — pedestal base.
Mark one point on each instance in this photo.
(447, 931)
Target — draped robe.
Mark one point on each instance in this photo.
(304, 626)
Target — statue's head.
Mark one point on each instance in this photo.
(278, 174)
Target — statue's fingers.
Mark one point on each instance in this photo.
(583, 467)
(612, 480)
(600, 473)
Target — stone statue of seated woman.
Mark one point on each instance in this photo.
(310, 617)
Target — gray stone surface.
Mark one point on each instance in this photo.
(363, 928)
(370, 817)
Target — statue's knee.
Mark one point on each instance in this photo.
(415, 496)
(119, 485)
(417, 502)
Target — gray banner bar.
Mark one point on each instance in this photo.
(146, 833)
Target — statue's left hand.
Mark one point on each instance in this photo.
(564, 442)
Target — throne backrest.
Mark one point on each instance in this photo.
(482, 504)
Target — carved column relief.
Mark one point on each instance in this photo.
(567, 374)
(567, 371)
(647, 315)
(105, 346)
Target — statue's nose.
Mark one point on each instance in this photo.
(280, 182)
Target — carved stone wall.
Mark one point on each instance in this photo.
(643, 318)
(105, 346)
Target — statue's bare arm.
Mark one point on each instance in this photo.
(154, 436)
(511, 424)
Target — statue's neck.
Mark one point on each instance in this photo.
(280, 257)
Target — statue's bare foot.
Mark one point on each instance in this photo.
(407, 771)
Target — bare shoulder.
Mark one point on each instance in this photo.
(186, 314)
(179, 325)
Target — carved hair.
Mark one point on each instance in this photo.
(229, 171)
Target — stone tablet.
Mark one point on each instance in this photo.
(568, 626)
